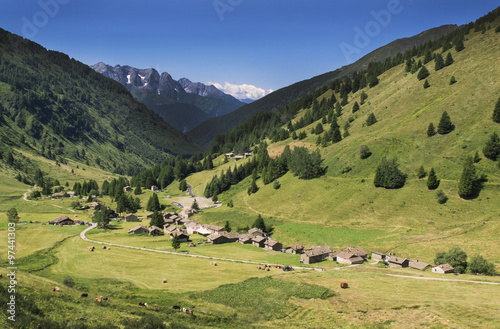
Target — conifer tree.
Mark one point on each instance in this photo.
(371, 119)
(337, 136)
(176, 243)
(477, 158)
(421, 172)
(195, 205)
(294, 135)
(253, 187)
(227, 227)
(492, 148)
(449, 60)
(468, 184)
(427, 56)
(439, 62)
(157, 219)
(432, 181)
(355, 107)
(426, 84)
(459, 45)
(364, 152)
(452, 80)
(137, 190)
(496, 112)
(423, 73)
(259, 223)
(445, 125)
(388, 174)
(183, 185)
(431, 131)
(153, 203)
(362, 98)
(319, 128)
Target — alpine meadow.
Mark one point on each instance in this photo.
(366, 197)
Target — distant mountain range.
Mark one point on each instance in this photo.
(183, 103)
(206, 131)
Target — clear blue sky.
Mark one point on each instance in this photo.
(266, 43)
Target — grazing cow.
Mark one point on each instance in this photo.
(146, 304)
(176, 307)
(190, 312)
(56, 289)
(215, 263)
(141, 304)
(109, 248)
(155, 305)
(164, 281)
(84, 294)
(268, 269)
(344, 285)
(104, 298)
(98, 300)
(259, 268)
(1, 275)
(184, 309)
(104, 247)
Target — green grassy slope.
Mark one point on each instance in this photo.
(346, 209)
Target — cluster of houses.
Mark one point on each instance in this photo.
(238, 156)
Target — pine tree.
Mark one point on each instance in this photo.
(445, 125)
(431, 131)
(362, 98)
(227, 227)
(253, 187)
(195, 205)
(449, 60)
(371, 119)
(388, 175)
(459, 45)
(183, 185)
(452, 80)
(423, 73)
(176, 243)
(294, 135)
(439, 62)
(138, 190)
(492, 148)
(259, 223)
(153, 203)
(364, 152)
(496, 112)
(12, 215)
(477, 158)
(468, 184)
(337, 136)
(319, 128)
(427, 56)
(355, 107)
(421, 172)
(432, 181)
(157, 219)
(426, 84)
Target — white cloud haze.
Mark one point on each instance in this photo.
(243, 91)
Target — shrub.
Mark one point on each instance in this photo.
(364, 152)
(455, 257)
(441, 197)
(421, 173)
(371, 119)
(452, 80)
(492, 148)
(479, 265)
(276, 185)
(69, 281)
(388, 174)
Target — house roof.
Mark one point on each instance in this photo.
(245, 237)
(231, 236)
(378, 253)
(356, 251)
(255, 230)
(298, 246)
(213, 227)
(346, 255)
(258, 239)
(154, 228)
(318, 250)
(446, 267)
(138, 228)
(60, 219)
(127, 215)
(396, 260)
(271, 243)
(216, 236)
(179, 233)
(418, 264)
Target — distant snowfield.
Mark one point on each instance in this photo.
(241, 92)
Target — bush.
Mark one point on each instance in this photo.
(276, 185)
(364, 152)
(371, 119)
(456, 257)
(69, 281)
(388, 174)
(479, 265)
(441, 197)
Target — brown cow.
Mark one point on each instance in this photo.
(98, 300)
(56, 289)
(344, 285)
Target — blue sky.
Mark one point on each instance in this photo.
(265, 43)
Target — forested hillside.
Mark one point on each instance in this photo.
(60, 108)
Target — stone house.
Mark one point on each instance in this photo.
(394, 261)
(131, 218)
(139, 229)
(443, 269)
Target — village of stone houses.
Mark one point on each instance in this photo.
(178, 226)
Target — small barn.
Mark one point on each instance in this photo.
(295, 249)
(273, 245)
(443, 269)
(183, 237)
(255, 232)
(315, 254)
(378, 255)
(139, 229)
(344, 257)
(418, 265)
(131, 218)
(216, 238)
(245, 238)
(63, 220)
(258, 241)
(155, 231)
(394, 261)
